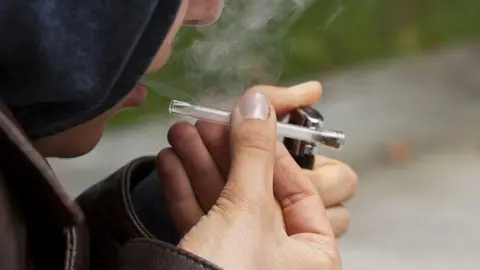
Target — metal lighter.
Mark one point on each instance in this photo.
(304, 152)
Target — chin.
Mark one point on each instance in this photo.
(72, 143)
(81, 148)
(76, 147)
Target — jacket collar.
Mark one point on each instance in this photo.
(21, 163)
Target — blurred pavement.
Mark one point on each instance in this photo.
(418, 215)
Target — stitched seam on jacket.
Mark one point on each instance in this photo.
(71, 251)
(125, 193)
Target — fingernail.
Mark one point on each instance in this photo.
(254, 106)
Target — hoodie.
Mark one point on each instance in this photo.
(64, 62)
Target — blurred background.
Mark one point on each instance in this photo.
(401, 78)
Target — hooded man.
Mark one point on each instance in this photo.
(65, 67)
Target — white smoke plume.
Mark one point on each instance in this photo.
(243, 47)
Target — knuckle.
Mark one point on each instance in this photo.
(350, 180)
(181, 131)
(340, 221)
(210, 131)
(203, 125)
(333, 174)
(165, 154)
(165, 159)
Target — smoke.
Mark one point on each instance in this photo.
(243, 48)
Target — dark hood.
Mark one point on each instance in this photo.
(64, 62)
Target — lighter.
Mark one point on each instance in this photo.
(302, 151)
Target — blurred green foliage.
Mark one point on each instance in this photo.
(333, 34)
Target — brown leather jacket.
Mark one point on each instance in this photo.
(41, 227)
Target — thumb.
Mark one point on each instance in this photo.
(253, 146)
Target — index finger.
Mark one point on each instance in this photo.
(285, 100)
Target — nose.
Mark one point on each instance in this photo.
(203, 12)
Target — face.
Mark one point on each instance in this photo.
(82, 139)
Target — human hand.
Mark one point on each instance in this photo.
(269, 214)
(194, 170)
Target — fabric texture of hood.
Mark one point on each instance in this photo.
(64, 62)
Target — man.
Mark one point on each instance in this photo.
(65, 67)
